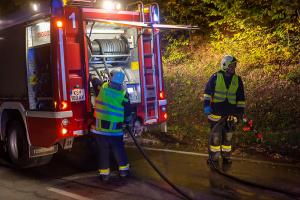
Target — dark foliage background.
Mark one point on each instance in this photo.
(265, 37)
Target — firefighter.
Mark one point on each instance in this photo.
(112, 106)
(223, 97)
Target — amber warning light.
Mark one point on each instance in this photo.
(161, 95)
(59, 24)
(63, 105)
(165, 116)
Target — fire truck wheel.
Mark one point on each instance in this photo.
(17, 145)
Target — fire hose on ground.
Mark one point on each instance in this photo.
(215, 168)
(183, 194)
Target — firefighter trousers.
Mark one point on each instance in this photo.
(108, 145)
(220, 141)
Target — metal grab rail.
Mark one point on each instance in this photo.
(152, 7)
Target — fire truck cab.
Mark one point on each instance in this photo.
(48, 51)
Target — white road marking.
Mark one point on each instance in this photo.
(206, 155)
(80, 176)
(67, 194)
(175, 151)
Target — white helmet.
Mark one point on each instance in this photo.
(226, 61)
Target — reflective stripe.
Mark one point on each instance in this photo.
(109, 105)
(219, 98)
(109, 113)
(124, 167)
(214, 148)
(97, 124)
(107, 133)
(112, 93)
(241, 104)
(226, 148)
(62, 63)
(104, 171)
(221, 92)
(214, 118)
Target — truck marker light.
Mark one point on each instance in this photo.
(165, 116)
(55, 104)
(161, 95)
(59, 24)
(64, 131)
(63, 105)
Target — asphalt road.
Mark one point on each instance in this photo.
(72, 175)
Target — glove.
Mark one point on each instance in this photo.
(207, 110)
(91, 77)
(244, 118)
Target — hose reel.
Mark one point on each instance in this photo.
(111, 47)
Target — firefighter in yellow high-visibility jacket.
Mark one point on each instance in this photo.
(112, 110)
(223, 96)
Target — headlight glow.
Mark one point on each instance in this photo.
(35, 7)
(111, 5)
(108, 5)
(118, 6)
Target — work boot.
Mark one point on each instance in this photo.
(124, 173)
(104, 177)
(213, 163)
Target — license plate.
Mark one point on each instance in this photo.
(77, 95)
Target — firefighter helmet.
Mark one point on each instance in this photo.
(226, 61)
(117, 77)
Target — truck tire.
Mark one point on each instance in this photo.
(17, 145)
(18, 148)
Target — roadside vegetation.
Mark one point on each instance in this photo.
(265, 37)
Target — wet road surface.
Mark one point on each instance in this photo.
(72, 175)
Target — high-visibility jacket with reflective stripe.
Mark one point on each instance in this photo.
(225, 107)
(109, 107)
(222, 93)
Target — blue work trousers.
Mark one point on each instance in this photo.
(115, 144)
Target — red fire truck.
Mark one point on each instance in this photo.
(47, 52)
